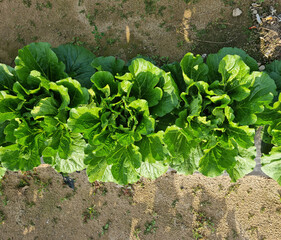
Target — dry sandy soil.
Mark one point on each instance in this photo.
(38, 205)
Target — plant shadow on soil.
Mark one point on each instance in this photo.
(38, 205)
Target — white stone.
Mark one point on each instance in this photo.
(255, 11)
(261, 67)
(236, 12)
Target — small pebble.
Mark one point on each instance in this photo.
(236, 12)
(255, 11)
(261, 67)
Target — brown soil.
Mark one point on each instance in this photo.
(39, 206)
(161, 29)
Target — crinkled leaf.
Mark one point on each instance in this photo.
(84, 119)
(125, 161)
(104, 82)
(193, 68)
(152, 147)
(261, 95)
(61, 95)
(184, 149)
(17, 157)
(9, 106)
(176, 72)
(170, 92)
(152, 170)
(234, 72)
(245, 163)
(7, 79)
(144, 87)
(9, 131)
(97, 167)
(68, 156)
(217, 159)
(45, 107)
(243, 135)
(77, 94)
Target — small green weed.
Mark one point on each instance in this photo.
(180, 43)
(41, 6)
(150, 6)
(43, 186)
(77, 41)
(97, 35)
(2, 217)
(22, 183)
(27, 3)
(67, 197)
(30, 204)
(205, 203)
(111, 41)
(161, 10)
(90, 213)
(5, 201)
(1, 189)
(137, 232)
(232, 188)
(196, 189)
(92, 17)
(229, 2)
(202, 221)
(20, 39)
(150, 227)
(105, 228)
(174, 203)
(99, 187)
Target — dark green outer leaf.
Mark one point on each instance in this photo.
(110, 64)
(40, 57)
(77, 62)
(213, 61)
